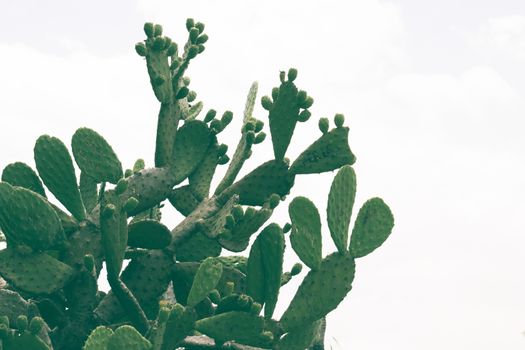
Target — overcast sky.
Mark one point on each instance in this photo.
(433, 92)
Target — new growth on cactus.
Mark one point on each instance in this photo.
(177, 290)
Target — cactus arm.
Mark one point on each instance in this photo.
(250, 126)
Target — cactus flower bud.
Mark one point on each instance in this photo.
(296, 269)
(237, 212)
(210, 115)
(250, 137)
(194, 34)
(200, 26)
(266, 103)
(141, 49)
(190, 23)
(172, 49)
(158, 43)
(222, 149)
(282, 76)
(226, 118)
(324, 125)
(256, 308)
(21, 322)
(223, 160)
(122, 186)
(216, 125)
(131, 204)
(174, 64)
(287, 227)
(128, 173)
(274, 200)
(275, 93)
(304, 115)
(139, 165)
(339, 120)
(108, 211)
(292, 74)
(230, 222)
(259, 138)
(308, 102)
(301, 97)
(89, 262)
(149, 29)
(36, 325)
(157, 30)
(192, 95)
(183, 92)
(202, 39)
(259, 124)
(201, 48)
(193, 51)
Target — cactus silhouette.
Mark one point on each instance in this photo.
(171, 288)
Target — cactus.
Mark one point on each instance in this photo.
(178, 290)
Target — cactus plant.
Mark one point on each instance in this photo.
(177, 291)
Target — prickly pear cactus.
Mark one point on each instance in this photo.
(180, 287)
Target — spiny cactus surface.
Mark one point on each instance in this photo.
(180, 287)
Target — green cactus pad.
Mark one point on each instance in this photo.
(329, 152)
(55, 167)
(179, 325)
(184, 273)
(149, 234)
(265, 267)
(234, 325)
(36, 273)
(340, 203)
(330, 283)
(184, 200)
(256, 187)
(21, 174)
(197, 247)
(28, 219)
(301, 338)
(244, 228)
(98, 339)
(372, 227)
(306, 231)
(150, 186)
(95, 157)
(189, 149)
(127, 337)
(12, 305)
(206, 279)
(283, 116)
(200, 178)
(88, 191)
(113, 229)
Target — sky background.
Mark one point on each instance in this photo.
(433, 93)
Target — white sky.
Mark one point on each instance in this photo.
(433, 93)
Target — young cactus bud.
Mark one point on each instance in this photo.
(190, 23)
(141, 49)
(122, 186)
(304, 115)
(172, 49)
(259, 125)
(139, 165)
(237, 212)
(292, 74)
(167, 42)
(202, 39)
(201, 48)
(339, 120)
(324, 124)
(308, 102)
(36, 325)
(275, 93)
(21, 323)
(223, 160)
(183, 92)
(266, 103)
(222, 149)
(301, 97)
(128, 173)
(249, 126)
(215, 296)
(210, 115)
(287, 227)
(157, 30)
(194, 33)
(274, 200)
(130, 204)
(226, 118)
(149, 29)
(249, 213)
(174, 65)
(250, 137)
(282, 76)
(186, 81)
(200, 26)
(193, 51)
(259, 138)
(164, 315)
(192, 95)
(159, 43)
(296, 269)
(230, 222)
(216, 125)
